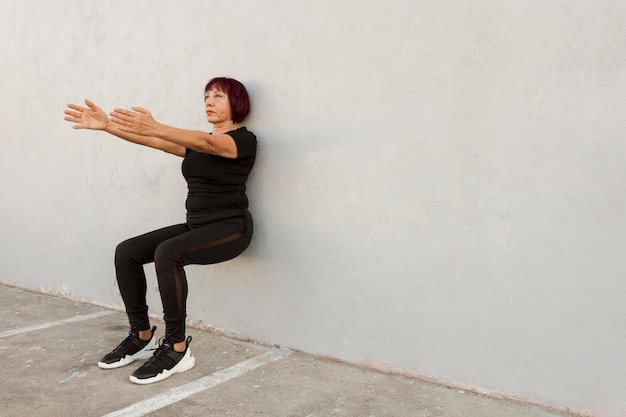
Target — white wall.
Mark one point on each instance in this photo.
(439, 188)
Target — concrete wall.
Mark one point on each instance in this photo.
(439, 188)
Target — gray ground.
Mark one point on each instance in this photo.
(50, 346)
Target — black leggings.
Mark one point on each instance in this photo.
(171, 248)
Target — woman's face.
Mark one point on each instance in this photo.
(217, 107)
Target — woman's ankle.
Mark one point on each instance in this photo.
(145, 335)
(180, 347)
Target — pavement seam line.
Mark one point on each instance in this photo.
(182, 392)
(42, 326)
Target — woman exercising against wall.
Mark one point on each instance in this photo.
(218, 226)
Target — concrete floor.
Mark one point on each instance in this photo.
(50, 346)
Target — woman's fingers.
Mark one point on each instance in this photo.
(72, 114)
(74, 117)
(140, 110)
(91, 105)
(119, 114)
(124, 116)
(127, 116)
(138, 120)
(126, 120)
(134, 112)
(75, 110)
(75, 107)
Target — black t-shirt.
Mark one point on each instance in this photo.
(217, 185)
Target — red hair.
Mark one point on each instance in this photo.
(237, 96)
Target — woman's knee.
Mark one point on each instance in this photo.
(166, 252)
(126, 252)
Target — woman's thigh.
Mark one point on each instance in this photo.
(209, 244)
(143, 247)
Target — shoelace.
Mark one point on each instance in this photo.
(161, 351)
(125, 343)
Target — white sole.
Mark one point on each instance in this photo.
(145, 353)
(185, 364)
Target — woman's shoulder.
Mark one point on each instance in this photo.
(241, 132)
(245, 141)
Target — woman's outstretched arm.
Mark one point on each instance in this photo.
(139, 121)
(94, 118)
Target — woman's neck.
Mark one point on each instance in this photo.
(224, 127)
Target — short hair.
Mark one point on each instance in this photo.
(237, 96)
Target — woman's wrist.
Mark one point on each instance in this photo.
(111, 127)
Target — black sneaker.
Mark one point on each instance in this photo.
(131, 349)
(164, 363)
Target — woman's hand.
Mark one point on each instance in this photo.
(138, 121)
(90, 117)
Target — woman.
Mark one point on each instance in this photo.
(218, 226)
